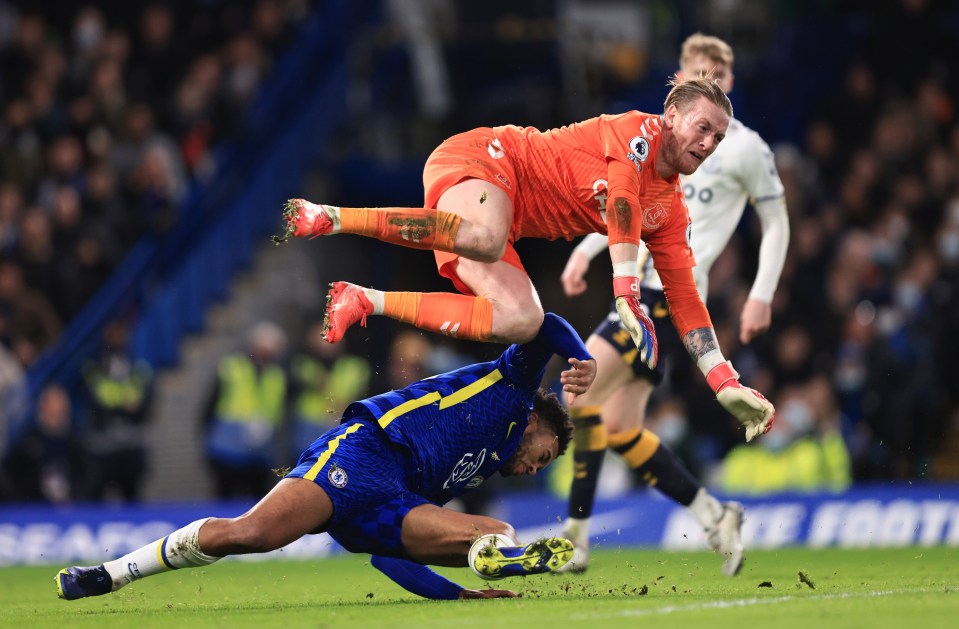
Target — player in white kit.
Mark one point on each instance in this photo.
(611, 414)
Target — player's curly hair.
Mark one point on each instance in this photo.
(550, 410)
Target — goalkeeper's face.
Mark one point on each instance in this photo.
(539, 448)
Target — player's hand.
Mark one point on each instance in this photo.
(574, 275)
(578, 378)
(474, 594)
(638, 324)
(753, 411)
(754, 320)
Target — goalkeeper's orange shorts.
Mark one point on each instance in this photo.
(474, 154)
(471, 155)
(446, 264)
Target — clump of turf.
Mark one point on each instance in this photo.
(289, 217)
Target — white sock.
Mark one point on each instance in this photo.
(377, 299)
(706, 508)
(577, 530)
(179, 549)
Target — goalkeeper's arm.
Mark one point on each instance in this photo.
(695, 328)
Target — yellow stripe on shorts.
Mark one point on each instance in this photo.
(330, 449)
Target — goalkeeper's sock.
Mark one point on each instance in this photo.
(589, 447)
(656, 464)
(460, 316)
(179, 549)
(418, 228)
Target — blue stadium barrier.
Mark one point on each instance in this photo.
(866, 517)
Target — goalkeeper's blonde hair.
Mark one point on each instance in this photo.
(685, 92)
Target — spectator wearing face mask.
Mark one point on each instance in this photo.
(804, 453)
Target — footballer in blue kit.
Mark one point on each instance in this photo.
(377, 482)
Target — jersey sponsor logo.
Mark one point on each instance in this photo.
(689, 235)
(510, 429)
(654, 216)
(466, 467)
(638, 151)
(495, 149)
(338, 477)
(503, 180)
(705, 195)
(475, 482)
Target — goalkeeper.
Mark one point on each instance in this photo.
(615, 175)
(377, 482)
(611, 415)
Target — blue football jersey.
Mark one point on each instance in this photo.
(460, 427)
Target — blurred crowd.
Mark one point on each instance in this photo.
(868, 298)
(109, 112)
(108, 117)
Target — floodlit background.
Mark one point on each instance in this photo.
(146, 150)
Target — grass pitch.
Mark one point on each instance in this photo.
(909, 587)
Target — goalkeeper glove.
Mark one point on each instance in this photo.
(635, 319)
(753, 411)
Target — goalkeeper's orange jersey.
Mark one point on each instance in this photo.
(559, 180)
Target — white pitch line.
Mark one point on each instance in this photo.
(749, 602)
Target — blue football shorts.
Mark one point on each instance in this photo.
(360, 469)
(616, 335)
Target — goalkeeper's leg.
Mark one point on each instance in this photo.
(503, 305)
(473, 219)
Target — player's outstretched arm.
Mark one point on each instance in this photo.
(473, 594)
(573, 278)
(626, 291)
(692, 321)
(624, 222)
(526, 363)
(577, 379)
(756, 316)
(749, 406)
(557, 336)
(420, 580)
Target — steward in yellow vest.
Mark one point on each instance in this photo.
(245, 411)
(324, 380)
